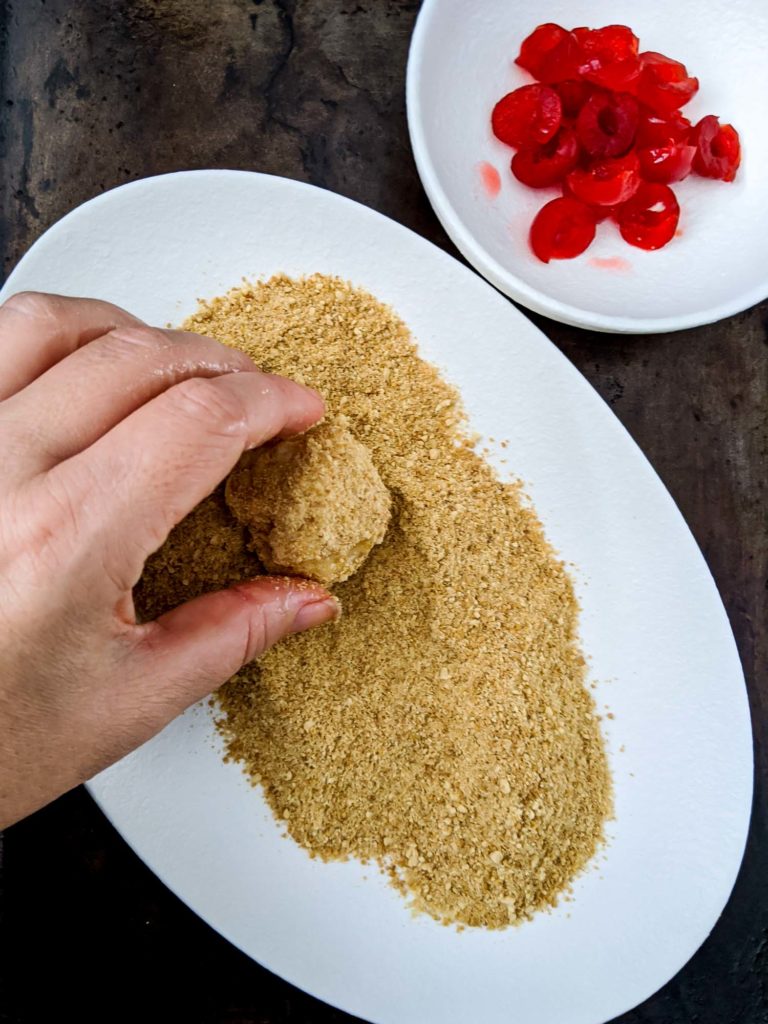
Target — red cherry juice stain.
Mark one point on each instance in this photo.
(617, 263)
(490, 179)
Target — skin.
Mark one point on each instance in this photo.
(111, 431)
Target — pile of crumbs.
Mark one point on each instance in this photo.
(443, 727)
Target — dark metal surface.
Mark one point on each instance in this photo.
(95, 93)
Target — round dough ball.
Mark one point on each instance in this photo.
(314, 504)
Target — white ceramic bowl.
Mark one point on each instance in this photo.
(461, 63)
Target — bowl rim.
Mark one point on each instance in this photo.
(513, 286)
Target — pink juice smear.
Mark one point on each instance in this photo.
(490, 179)
(611, 263)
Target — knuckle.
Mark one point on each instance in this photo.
(210, 401)
(42, 528)
(256, 637)
(63, 507)
(174, 352)
(32, 304)
(128, 338)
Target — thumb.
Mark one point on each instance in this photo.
(196, 647)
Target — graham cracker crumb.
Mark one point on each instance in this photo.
(443, 728)
(207, 551)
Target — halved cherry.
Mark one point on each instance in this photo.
(718, 149)
(537, 45)
(664, 84)
(610, 57)
(546, 165)
(573, 95)
(607, 123)
(612, 42)
(600, 213)
(607, 182)
(649, 219)
(562, 62)
(670, 161)
(529, 116)
(562, 229)
(653, 130)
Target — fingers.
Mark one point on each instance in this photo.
(80, 398)
(38, 330)
(131, 487)
(194, 649)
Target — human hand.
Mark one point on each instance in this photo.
(110, 433)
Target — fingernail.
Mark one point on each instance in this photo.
(315, 614)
